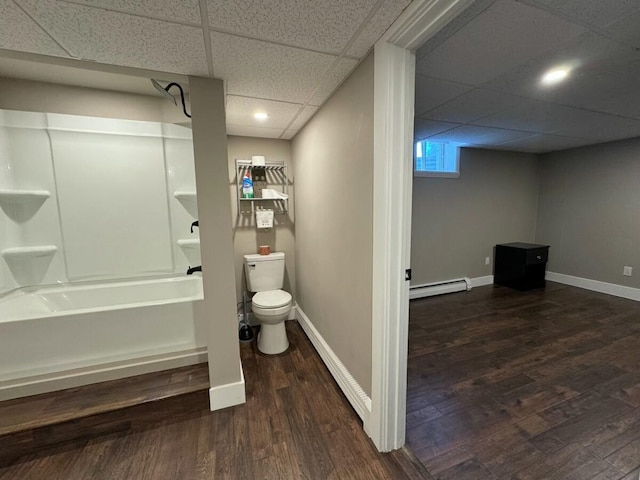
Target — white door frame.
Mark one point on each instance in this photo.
(394, 81)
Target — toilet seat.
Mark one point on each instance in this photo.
(271, 299)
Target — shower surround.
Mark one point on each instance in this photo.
(94, 244)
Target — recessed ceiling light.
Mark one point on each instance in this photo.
(555, 75)
(260, 116)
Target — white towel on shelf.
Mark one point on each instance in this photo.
(264, 218)
(274, 194)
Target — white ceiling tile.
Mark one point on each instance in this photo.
(19, 32)
(505, 35)
(431, 93)
(325, 26)
(626, 29)
(121, 39)
(474, 9)
(543, 117)
(528, 115)
(303, 118)
(240, 111)
(289, 134)
(595, 13)
(471, 106)
(473, 135)
(259, 69)
(512, 44)
(249, 131)
(383, 18)
(176, 10)
(599, 126)
(545, 143)
(624, 102)
(330, 82)
(425, 128)
(599, 68)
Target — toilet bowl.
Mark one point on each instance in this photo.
(270, 304)
(272, 308)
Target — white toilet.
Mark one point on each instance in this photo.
(270, 304)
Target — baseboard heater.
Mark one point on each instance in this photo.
(439, 288)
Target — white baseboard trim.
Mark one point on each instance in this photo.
(481, 281)
(439, 288)
(76, 377)
(228, 395)
(357, 397)
(448, 286)
(595, 285)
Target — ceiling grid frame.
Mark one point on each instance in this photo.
(41, 27)
(373, 18)
(594, 115)
(206, 33)
(360, 28)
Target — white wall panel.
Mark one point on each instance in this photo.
(181, 177)
(111, 210)
(6, 182)
(29, 222)
(112, 196)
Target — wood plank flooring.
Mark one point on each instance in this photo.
(56, 407)
(296, 424)
(525, 385)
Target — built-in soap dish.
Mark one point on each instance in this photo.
(26, 252)
(191, 250)
(22, 196)
(29, 265)
(21, 205)
(189, 201)
(189, 243)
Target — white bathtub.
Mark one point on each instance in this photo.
(31, 303)
(62, 336)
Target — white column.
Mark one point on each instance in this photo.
(394, 75)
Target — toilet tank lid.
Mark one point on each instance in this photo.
(255, 257)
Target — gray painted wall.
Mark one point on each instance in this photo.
(333, 158)
(216, 236)
(456, 222)
(27, 95)
(589, 211)
(245, 235)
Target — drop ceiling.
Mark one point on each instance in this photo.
(478, 80)
(284, 57)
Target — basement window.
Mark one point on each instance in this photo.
(436, 159)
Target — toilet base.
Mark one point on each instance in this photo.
(272, 338)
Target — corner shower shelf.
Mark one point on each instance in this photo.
(188, 199)
(183, 195)
(22, 196)
(189, 243)
(27, 252)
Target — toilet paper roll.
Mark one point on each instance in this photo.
(258, 161)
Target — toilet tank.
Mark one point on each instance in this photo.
(264, 272)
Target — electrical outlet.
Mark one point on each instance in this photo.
(627, 271)
(487, 261)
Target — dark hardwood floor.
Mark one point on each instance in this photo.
(296, 424)
(52, 408)
(516, 385)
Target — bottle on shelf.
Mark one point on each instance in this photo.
(247, 185)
